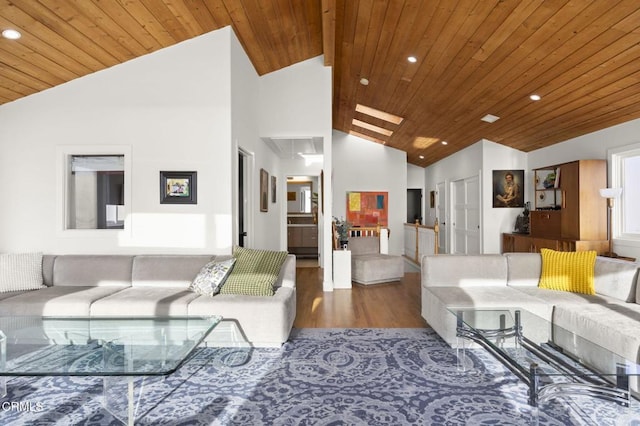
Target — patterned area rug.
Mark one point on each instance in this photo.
(320, 377)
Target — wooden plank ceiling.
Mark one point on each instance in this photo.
(473, 57)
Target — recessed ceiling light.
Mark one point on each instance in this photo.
(412, 59)
(364, 81)
(535, 97)
(11, 34)
(422, 157)
(489, 118)
(444, 143)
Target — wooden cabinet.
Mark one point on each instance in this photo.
(522, 243)
(570, 214)
(303, 240)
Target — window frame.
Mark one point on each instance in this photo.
(616, 157)
(64, 153)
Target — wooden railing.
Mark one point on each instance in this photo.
(420, 240)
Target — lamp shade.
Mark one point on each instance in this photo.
(610, 192)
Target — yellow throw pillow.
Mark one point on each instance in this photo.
(568, 271)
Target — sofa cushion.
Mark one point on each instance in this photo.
(212, 276)
(553, 297)
(167, 270)
(568, 271)
(255, 272)
(613, 326)
(616, 278)
(70, 301)
(262, 319)
(92, 270)
(524, 269)
(20, 271)
(491, 297)
(464, 271)
(145, 301)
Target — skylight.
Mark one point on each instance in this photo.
(371, 127)
(370, 138)
(379, 114)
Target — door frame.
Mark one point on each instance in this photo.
(247, 204)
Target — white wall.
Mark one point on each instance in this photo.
(186, 107)
(264, 227)
(171, 107)
(495, 221)
(461, 165)
(361, 165)
(296, 102)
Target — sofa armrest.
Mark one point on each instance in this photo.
(287, 276)
(445, 270)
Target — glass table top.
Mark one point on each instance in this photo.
(528, 340)
(79, 346)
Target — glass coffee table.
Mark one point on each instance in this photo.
(117, 349)
(552, 361)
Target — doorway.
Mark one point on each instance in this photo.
(244, 180)
(414, 206)
(441, 215)
(465, 194)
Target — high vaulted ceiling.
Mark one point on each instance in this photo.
(473, 57)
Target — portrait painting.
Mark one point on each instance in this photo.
(508, 188)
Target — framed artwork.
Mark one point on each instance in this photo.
(432, 199)
(264, 190)
(273, 189)
(368, 208)
(508, 188)
(178, 187)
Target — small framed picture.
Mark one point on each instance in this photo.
(273, 189)
(264, 190)
(178, 187)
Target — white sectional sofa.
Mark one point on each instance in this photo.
(610, 318)
(155, 285)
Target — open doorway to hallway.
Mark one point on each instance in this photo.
(302, 219)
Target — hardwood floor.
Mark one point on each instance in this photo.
(393, 305)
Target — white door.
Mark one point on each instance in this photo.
(465, 225)
(441, 215)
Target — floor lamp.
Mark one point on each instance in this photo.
(610, 194)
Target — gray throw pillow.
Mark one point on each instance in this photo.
(20, 271)
(212, 276)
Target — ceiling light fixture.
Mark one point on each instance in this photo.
(11, 34)
(364, 81)
(444, 143)
(422, 157)
(489, 118)
(371, 127)
(535, 97)
(412, 59)
(379, 114)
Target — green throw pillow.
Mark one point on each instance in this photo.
(254, 273)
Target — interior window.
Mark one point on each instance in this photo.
(631, 194)
(95, 192)
(625, 164)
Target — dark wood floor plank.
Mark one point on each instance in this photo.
(389, 305)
